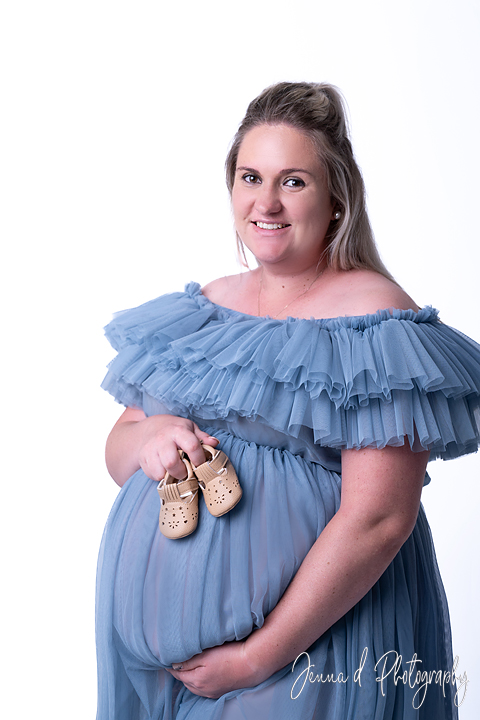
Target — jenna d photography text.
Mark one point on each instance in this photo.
(389, 668)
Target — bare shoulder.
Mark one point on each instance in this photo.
(361, 292)
(224, 290)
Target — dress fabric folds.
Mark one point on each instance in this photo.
(283, 397)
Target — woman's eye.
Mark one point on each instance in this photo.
(294, 183)
(249, 178)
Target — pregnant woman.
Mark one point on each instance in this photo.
(328, 390)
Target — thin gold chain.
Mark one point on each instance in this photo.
(291, 301)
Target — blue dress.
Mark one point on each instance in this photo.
(283, 397)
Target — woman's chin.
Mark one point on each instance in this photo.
(293, 262)
(266, 254)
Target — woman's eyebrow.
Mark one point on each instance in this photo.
(285, 171)
(288, 171)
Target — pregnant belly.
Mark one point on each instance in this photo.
(175, 598)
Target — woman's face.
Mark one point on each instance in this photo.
(281, 204)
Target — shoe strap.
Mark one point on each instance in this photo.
(172, 491)
(212, 468)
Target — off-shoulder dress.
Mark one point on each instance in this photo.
(283, 397)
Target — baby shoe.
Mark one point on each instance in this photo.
(218, 481)
(179, 504)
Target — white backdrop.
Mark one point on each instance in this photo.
(115, 121)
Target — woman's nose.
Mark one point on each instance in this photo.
(268, 200)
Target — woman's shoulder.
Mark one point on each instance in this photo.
(362, 292)
(224, 289)
(342, 293)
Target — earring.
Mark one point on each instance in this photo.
(337, 215)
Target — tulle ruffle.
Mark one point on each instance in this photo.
(356, 382)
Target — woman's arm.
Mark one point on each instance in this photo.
(381, 492)
(152, 444)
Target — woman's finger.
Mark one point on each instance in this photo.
(172, 461)
(194, 662)
(152, 466)
(191, 443)
(204, 437)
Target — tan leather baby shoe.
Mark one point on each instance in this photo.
(179, 504)
(218, 481)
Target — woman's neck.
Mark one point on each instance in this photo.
(277, 291)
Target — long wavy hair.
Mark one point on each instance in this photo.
(319, 111)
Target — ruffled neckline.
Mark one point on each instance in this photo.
(360, 322)
(355, 381)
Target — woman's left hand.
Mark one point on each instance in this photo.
(218, 670)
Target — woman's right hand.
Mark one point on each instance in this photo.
(152, 444)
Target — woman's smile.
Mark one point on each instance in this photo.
(270, 226)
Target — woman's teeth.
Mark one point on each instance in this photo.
(270, 226)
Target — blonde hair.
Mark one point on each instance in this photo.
(319, 111)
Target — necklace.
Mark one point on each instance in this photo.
(304, 292)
